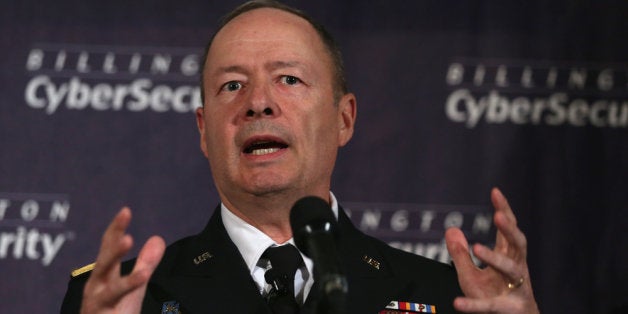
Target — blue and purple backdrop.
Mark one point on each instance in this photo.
(454, 97)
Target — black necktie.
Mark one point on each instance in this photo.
(284, 260)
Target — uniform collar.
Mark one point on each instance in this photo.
(251, 242)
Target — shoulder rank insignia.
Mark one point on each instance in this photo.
(170, 307)
(398, 307)
(82, 270)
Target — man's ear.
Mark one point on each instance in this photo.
(347, 110)
(200, 123)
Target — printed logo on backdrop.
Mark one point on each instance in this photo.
(32, 226)
(112, 78)
(420, 229)
(537, 93)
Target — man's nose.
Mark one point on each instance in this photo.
(260, 103)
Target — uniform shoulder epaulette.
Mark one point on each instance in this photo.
(79, 271)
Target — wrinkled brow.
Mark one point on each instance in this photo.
(283, 64)
(269, 65)
(232, 69)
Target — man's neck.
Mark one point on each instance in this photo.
(270, 213)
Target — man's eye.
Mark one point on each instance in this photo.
(232, 86)
(290, 80)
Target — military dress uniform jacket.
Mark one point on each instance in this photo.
(205, 273)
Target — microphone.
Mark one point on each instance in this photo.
(315, 233)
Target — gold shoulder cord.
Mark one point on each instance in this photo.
(82, 270)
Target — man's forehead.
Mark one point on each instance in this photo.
(252, 26)
(267, 33)
(268, 16)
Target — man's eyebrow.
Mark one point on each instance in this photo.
(274, 65)
(232, 69)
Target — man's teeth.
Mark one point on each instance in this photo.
(264, 151)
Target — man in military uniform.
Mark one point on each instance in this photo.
(276, 110)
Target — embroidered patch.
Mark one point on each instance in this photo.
(170, 307)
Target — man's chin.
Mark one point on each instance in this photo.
(268, 190)
(268, 186)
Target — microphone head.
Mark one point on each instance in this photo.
(309, 216)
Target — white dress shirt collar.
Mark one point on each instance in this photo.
(251, 242)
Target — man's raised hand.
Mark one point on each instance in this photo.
(503, 286)
(107, 291)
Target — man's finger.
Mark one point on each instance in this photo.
(509, 238)
(146, 262)
(514, 237)
(501, 204)
(458, 248)
(499, 262)
(150, 255)
(115, 243)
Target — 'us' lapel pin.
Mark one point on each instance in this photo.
(201, 258)
(374, 263)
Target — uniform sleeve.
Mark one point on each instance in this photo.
(74, 295)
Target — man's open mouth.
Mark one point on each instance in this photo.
(264, 147)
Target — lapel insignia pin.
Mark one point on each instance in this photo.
(170, 307)
(201, 258)
(375, 264)
(408, 307)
